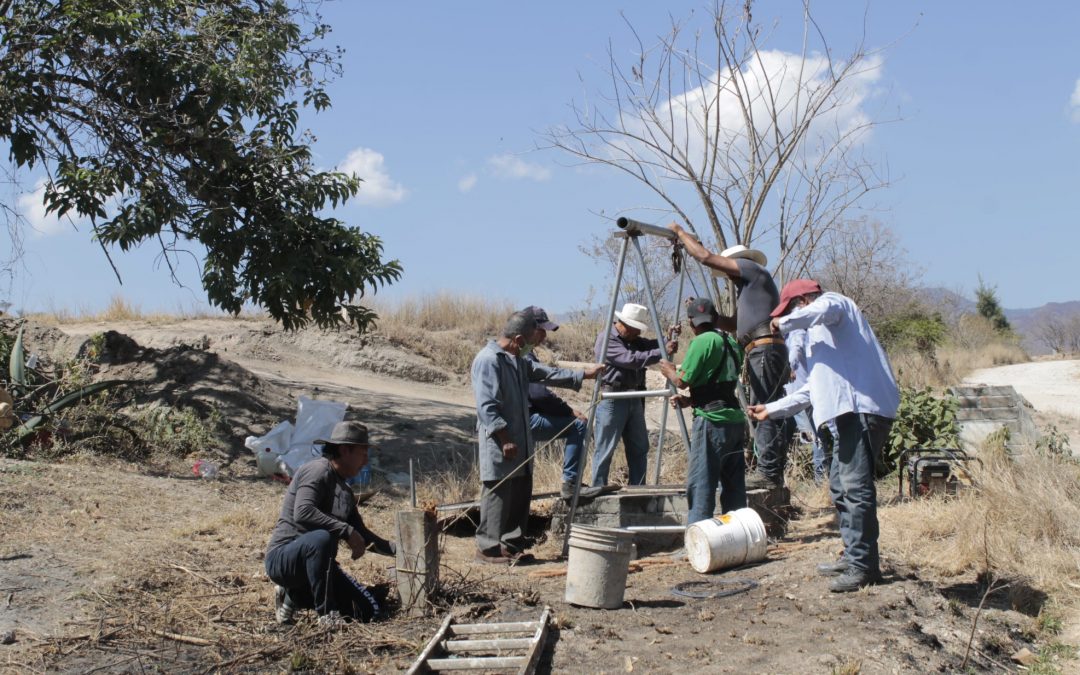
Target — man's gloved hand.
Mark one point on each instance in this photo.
(384, 547)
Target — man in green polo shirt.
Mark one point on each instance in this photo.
(710, 370)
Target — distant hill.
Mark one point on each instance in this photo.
(1024, 321)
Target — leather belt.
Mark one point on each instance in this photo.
(770, 340)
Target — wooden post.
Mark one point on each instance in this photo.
(417, 559)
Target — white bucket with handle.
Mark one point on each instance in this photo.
(597, 566)
(733, 539)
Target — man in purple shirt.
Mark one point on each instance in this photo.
(628, 355)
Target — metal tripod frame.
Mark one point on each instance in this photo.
(630, 231)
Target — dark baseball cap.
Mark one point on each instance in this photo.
(700, 310)
(541, 317)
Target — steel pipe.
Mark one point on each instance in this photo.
(608, 395)
(658, 529)
(637, 227)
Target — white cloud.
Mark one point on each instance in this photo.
(32, 207)
(1074, 102)
(512, 166)
(781, 81)
(467, 182)
(378, 189)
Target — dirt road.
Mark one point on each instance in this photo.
(1052, 388)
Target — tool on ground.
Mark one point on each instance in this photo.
(935, 471)
(484, 646)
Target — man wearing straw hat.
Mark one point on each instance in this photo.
(710, 370)
(851, 386)
(319, 511)
(628, 355)
(766, 353)
(500, 378)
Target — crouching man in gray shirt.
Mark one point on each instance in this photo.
(319, 511)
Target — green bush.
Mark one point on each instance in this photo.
(923, 420)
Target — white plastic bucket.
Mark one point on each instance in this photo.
(733, 539)
(597, 567)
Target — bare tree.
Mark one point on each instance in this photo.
(863, 260)
(765, 144)
(1060, 334)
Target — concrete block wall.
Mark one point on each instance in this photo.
(985, 409)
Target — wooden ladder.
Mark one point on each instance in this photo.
(516, 646)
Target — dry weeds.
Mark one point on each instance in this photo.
(1022, 521)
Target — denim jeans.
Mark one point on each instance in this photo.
(548, 427)
(860, 438)
(768, 371)
(716, 458)
(620, 418)
(306, 568)
(804, 423)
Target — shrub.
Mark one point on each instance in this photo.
(923, 420)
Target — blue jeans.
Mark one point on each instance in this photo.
(860, 438)
(768, 370)
(306, 568)
(620, 418)
(804, 424)
(716, 458)
(548, 427)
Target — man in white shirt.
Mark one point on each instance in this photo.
(851, 384)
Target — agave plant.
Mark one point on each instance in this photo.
(27, 396)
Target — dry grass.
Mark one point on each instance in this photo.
(952, 363)
(121, 309)
(448, 329)
(1022, 522)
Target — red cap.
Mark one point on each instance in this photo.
(792, 290)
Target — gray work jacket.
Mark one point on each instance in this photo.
(501, 385)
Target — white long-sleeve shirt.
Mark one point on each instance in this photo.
(848, 369)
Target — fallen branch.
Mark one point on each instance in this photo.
(187, 639)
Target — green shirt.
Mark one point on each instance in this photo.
(708, 360)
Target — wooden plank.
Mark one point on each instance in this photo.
(476, 628)
(538, 644)
(478, 663)
(420, 665)
(457, 646)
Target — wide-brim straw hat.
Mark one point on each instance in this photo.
(740, 251)
(634, 315)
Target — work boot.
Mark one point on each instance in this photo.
(852, 580)
(494, 559)
(759, 481)
(586, 492)
(283, 607)
(833, 569)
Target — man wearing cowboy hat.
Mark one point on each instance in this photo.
(628, 355)
(500, 378)
(851, 387)
(319, 511)
(766, 353)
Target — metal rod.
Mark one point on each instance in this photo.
(637, 227)
(595, 395)
(664, 409)
(610, 395)
(660, 334)
(412, 484)
(658, 529)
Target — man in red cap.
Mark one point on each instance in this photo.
(850, 384)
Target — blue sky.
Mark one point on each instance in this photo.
(441, 104)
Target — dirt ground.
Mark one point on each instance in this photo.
(114, 567)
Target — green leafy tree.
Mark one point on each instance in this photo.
(988, 307)
(175, 121)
